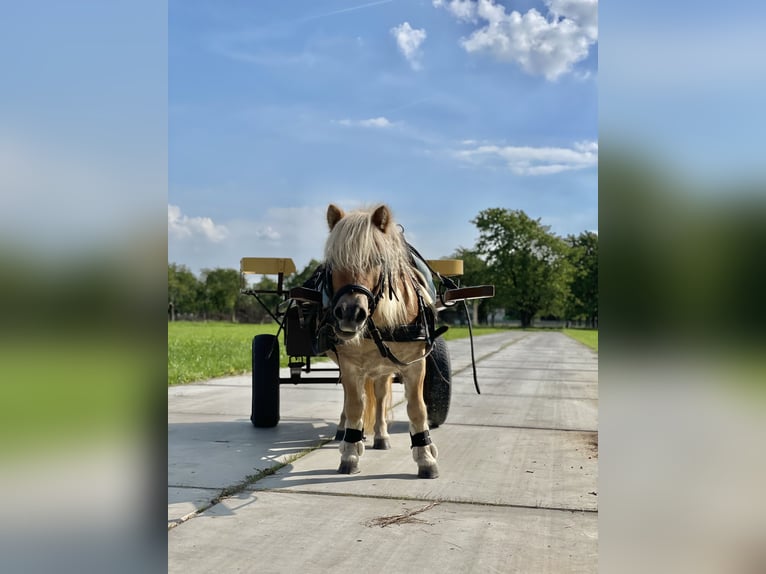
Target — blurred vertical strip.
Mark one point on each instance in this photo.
(83, 195)
(682, 229)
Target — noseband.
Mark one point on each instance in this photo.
(372, 298)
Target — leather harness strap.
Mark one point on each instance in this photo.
(319, 286)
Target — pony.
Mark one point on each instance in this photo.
(379, 300)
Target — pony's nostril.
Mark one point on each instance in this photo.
(361, 315)
(338, 312)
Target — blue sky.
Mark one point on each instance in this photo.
(269, 107)
(685, 81)
(440, 109)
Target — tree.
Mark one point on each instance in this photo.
(221, 290)
(183, 288)
(525, 261)
(582, 302)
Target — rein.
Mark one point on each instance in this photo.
(450, 284)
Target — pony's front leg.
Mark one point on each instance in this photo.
(382, 404)
(352, 445)
(424, 451)
(341, 430)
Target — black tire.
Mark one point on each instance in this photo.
(265, 404)
(437, 386)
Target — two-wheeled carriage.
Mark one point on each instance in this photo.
(299, 312)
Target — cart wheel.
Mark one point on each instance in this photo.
(265, 405)
(437, 384)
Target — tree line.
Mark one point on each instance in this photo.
(536, 274)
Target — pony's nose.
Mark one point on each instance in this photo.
(349, 316)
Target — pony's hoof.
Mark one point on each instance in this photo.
(381, 444)
(339, 434)
(348, 467)
(428, 472)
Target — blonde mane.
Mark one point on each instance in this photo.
(357, 246)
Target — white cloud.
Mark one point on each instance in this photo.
(526, 160)
(68, 196)
(464, 10)
(294, 232)
(182, 226)
(548, 45)
(409, 40)
(379, 122)
(267, 232)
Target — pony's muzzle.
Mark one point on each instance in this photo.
(350, 315)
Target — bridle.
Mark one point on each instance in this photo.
(372, 298)
(422, 329)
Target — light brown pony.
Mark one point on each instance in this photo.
(373, 277)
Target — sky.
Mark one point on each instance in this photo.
(249, 118)
(438, 108)
(685, 81)
(83, 125)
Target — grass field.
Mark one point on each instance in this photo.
(71, 392)
(199, 351)
(587, 337)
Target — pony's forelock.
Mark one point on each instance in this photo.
(356, 246)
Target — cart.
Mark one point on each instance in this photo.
(298, 313)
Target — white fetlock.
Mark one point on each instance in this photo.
(351, 448)
(425, 457)
(425, 454)
(349, 456)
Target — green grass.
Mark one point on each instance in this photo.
(71, 392)
(587, 337)
(199, 351)
(462, 332)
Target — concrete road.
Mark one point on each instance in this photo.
(517, 490)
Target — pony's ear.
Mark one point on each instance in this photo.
(381, 218)
(334, 215)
